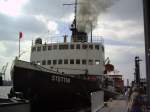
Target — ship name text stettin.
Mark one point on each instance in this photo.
(60, 79)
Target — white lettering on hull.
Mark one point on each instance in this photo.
(60, 79)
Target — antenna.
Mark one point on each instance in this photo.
(75, 11)
(75, 18)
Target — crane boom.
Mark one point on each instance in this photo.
(4, 69)
(107, 60)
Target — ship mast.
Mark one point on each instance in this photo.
(75, 11)
(74, 24)
(76, 3)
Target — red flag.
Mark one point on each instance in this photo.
(20, 35)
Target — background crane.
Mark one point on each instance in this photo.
(2, 72)
(108, 67)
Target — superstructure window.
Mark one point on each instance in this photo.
(44, 48)
(84, 62)
(60, 61)
(38, 63)
(90, 62)
(78, 46)
(49, 62)
(84, 46)
(90, 46)
(72, 46)
(54, 62)
(97, 62)
(71, 61)
(43, 62)
(39, 48)
(54, 47)
(63, 46)
(97, 47)
(103, 48)
(33, 49)
(77, 61)
(49, 47)
(33, 62)
(65, 61)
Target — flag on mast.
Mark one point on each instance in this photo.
(20, 35)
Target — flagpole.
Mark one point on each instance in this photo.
(19, 48)
(20, 36)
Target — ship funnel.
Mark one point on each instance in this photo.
(78, 36)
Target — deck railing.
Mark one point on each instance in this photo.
(60, 39)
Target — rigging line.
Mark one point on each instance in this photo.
(72, 69)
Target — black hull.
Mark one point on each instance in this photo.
(51, 90)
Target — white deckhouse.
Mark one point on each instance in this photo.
(78, 57)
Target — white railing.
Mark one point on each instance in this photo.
(60, 39)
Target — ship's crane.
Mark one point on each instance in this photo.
(108, 67)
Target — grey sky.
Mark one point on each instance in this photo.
(121, 27)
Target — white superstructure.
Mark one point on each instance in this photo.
(74, 58)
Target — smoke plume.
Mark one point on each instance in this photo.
(89, 11)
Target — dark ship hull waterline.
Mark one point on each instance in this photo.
(51, 90)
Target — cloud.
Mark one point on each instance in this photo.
(53, 27)
(54, 9)
(67, 18)
(126, 10)
(12, 7)
(27, 24)
(121, 27)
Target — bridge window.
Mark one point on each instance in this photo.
(65, 61)
(49, 62)
(60, 61)
(77, 61)
(39, 48)
(84, 62)
(71, 61)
